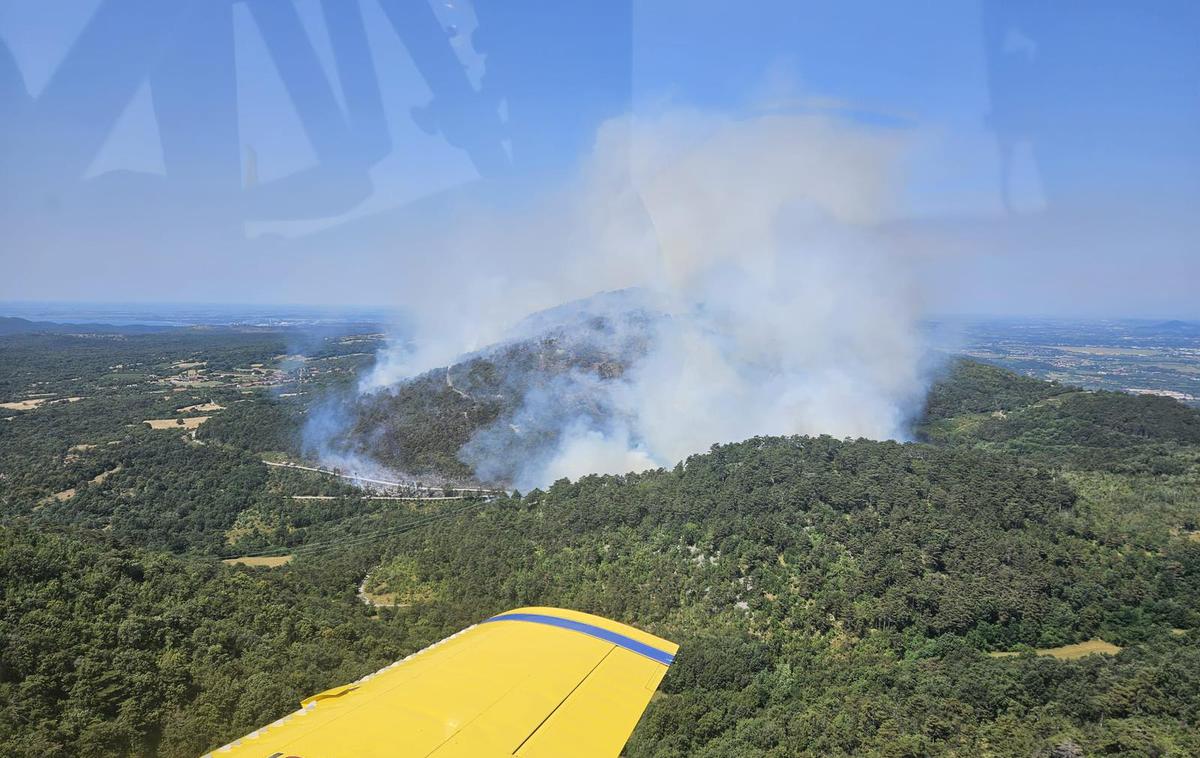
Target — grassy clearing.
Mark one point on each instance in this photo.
(269, 561)
(99, 478)
(176, 423)
(1069, 652)
(201, 408)
(23, 405)
(60, 497)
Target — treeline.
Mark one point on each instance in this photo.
(106, 650)
(822, 535)
(972, 387)
(115, 380)
(832, 597)
(263, 424)
(742, 696)
(1062, 427)
(164, 492)
(839, 598)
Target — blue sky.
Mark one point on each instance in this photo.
(1053, 163)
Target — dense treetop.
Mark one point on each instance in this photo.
(832, 597)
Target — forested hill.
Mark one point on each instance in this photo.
(421, 426)
(973, 387)
(424, 425)
(1065, 426)
(832, 597)
(840, 597)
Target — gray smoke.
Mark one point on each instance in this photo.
(778, 309)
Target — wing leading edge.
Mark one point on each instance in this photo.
(530, 682)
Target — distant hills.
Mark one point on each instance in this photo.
(14, 325)
(10, 325)
(1174, 327)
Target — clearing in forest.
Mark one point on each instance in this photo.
(270, 561)
(176, 423)
(66, 495)
(201, 408)
(23, 405)
(1069, 652)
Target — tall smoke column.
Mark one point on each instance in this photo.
(784, 311)
(787, 315)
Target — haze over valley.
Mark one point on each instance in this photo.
(417, 377)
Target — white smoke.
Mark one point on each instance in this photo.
(785, 312)
(586, 450)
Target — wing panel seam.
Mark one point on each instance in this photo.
(567, 697)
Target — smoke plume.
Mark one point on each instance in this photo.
(778, 309)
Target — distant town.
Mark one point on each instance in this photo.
(1139, 357)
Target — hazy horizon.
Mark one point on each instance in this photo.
(21, 309)
(1020, 165)
(798, 189)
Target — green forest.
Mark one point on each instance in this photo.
(830, 596)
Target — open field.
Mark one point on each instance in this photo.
(1069, 652)
(63, 496)
(201, 408)
(269, 561)
(99, 478)
(1183, 368)
(23, 405)
(1111, 351)
(176, 423)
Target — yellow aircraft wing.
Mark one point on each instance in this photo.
(530, 682)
